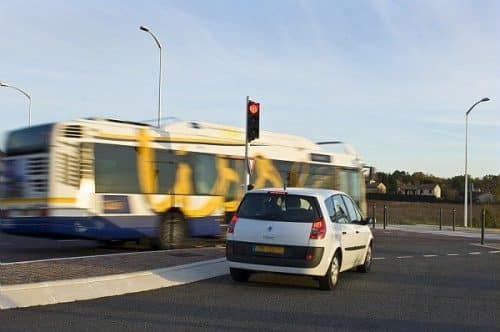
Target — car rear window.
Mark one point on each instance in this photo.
(279, 207)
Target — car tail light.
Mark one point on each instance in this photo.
(4, 213)
(44, 212)
(234, 220)
(318, 229)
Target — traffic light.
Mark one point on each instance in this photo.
(253, 112)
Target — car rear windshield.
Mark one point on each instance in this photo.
(279, 207)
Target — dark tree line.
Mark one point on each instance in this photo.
(451, 188)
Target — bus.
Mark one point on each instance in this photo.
(108, 180)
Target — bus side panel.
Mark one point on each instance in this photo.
(205, 226)
(98, 228)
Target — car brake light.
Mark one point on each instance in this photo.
(4, 213)
(44, 212)
(277, 193)
(234, 220)
(318, 229)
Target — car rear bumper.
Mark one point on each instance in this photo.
(292, 256)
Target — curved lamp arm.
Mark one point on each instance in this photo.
(27, 95)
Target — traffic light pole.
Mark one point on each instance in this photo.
(247, 173)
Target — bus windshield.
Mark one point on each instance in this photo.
(28, 140)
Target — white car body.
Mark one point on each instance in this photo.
(350, 240)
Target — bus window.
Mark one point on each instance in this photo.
(34, 139)
(166, 166)
(235, 190)
(115, 169)
(205, 172)
(348, 181)
(321, 176)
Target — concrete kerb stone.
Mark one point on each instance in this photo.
(61, 291)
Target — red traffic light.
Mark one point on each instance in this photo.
(253, 107)
(253, 112)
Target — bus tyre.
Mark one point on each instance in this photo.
(239, 275)
(331, 278)
(172, 231)
(368, 260)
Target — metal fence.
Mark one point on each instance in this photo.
(439, 214)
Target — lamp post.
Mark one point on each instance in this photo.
(466, 182)
(3, 84)
(146, 29)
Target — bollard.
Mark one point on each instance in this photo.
(374, 215)
(440, 219)
(453, 211)
(387, 219)
(483, 222)
(385, 216)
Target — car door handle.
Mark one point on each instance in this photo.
(357, 232)
(344, 233)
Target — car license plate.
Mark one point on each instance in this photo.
(277, 250)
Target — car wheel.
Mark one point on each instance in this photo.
(172, 231)
(331, 278)
(239, 275)
(368, 261)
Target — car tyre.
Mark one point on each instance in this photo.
(368, 260)
(239, 275)
(173, 231)
(331, 278)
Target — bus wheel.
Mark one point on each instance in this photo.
(173, 231)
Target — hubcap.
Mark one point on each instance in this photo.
(368, 259)
(335, 271)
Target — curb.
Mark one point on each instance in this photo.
(62, 291)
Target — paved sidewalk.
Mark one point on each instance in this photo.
(102, 265)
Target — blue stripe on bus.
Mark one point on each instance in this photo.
(206, 226)
(100, 228)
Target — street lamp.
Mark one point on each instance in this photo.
(143, 28)
(24, 93)
(466, 185)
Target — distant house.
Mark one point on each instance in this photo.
(376, 188)
(421, 190)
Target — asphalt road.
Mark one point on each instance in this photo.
(418, 282)
(22, 248)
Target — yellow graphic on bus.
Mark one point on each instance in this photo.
(266, 175)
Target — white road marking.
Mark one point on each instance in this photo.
(452, 254)
(494, 252)
(403, 257)
(475, 253)
(378, 258)
(430, 255)
(71, 240)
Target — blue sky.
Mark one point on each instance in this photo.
(392, 78)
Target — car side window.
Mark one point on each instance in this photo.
(351, 209)
(340, 210)
(359, 215)
(330, 208)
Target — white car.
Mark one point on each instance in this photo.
(315, 232)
